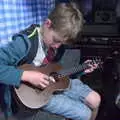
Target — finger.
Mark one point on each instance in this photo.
(49, 78)
(87, 61)
(95, 66)
(52, 79)
(42, 85)
(46, 77)
(45, 81)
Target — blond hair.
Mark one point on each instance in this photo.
(66, 20)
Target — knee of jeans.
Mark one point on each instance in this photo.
(93, 100)
(96, 102)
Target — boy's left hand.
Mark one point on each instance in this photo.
(93, 66)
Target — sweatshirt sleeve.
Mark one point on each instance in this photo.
(9, 57)
(10, 75)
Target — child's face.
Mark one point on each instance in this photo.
(52, 38)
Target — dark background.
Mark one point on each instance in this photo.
(101, 39)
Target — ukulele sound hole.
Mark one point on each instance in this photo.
(55, 75)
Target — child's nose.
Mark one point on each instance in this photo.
(57, 45)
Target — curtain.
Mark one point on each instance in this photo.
(15, 15)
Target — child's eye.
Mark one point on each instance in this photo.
(56, 41)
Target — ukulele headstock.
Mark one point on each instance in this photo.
(95, 62)
(98, 61)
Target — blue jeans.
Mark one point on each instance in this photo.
(71, 102)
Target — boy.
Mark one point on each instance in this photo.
(30, 46)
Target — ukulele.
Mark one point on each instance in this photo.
(34, 97)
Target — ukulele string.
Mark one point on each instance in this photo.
(71, 71)
(75, 69)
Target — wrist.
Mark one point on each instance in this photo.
(25, 76)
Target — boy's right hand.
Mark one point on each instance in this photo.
(36, 78)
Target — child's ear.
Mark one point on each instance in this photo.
(48, 23)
